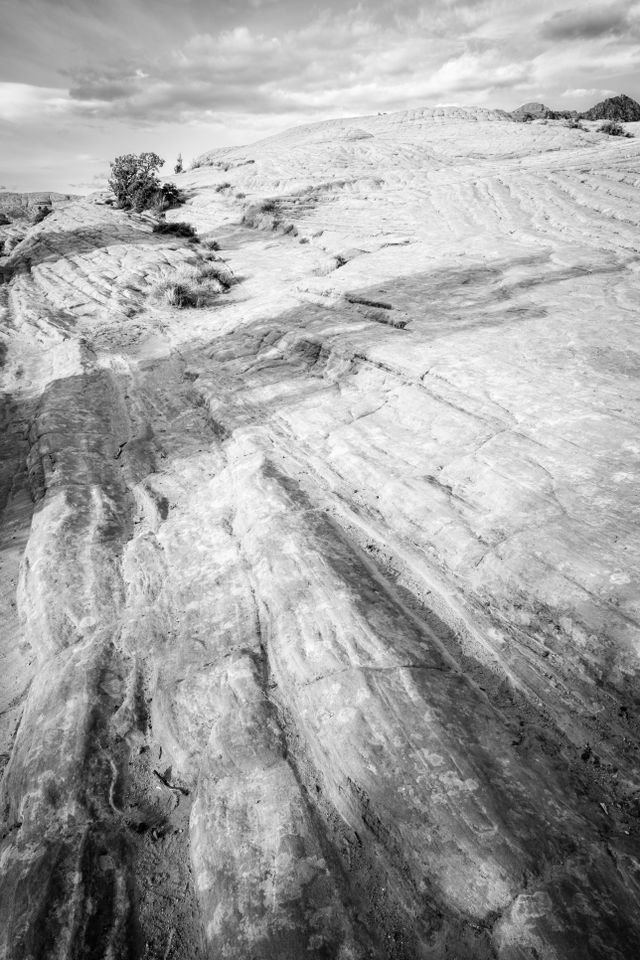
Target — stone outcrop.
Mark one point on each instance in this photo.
(622, 108)
(320, 627)
(532, 111)
(24, 205)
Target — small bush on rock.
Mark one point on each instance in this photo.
(41, 213)
(178, 294)
(177, 229)
(613, 128)
(190, 286)
(168, 196)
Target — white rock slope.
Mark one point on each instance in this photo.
(319, 604)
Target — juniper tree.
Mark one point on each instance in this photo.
(133, 179)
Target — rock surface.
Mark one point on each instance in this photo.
(320, 608)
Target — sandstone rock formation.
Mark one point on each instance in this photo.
(22, 205)
(19, 210)
(621, 108)
(319, 605)
(532, 110)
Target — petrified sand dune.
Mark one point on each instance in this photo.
(319, 604)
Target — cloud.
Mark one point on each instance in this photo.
(582, 23)
(382, 55)
(97, 182)
(21, 102)
(578, 93)
(355, 65)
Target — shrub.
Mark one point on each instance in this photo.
(133, 180)
(41, 213)
(168, 196)
(613, 128)
(217, 271)
(178, 167)
(177, 229)
(178, 294)
(574, 125)
(222, 186)
(191, 286)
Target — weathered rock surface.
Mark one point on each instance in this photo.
(319, 606)
(23, 205)
(19, 210)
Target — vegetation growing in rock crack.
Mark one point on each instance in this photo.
(192, 285)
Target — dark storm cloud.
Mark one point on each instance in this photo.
(581, 23)
(102, 89)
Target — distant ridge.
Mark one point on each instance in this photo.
(17, 205)
(366, 127)
(539, 111)
(357, 128)
(533, 110)
(615, 108)
(622, 108)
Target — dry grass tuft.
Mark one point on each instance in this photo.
(192, 286)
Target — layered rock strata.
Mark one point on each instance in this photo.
(320, 628)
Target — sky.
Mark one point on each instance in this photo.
(82, 81)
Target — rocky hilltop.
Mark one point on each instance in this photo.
(319, 601)
(533, 111)
(622, 108)
(615, 108)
